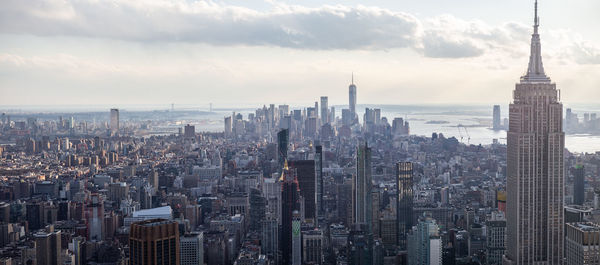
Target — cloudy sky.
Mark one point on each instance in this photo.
(233, 52)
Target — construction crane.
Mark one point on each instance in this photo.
(466, 132)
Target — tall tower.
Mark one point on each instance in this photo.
(404, 200)
(290, 202)
(352, 94)
(535, 180)
(324, 110)
(283, 141)
(497, 121)
(579, 185)
(114, 121)
(296, 241)
(361, 189)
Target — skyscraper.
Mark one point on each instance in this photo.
(579, 185)
(361, 190)
(352, 95)
(283, 140)
(495, 237)
(535, 165)
(114, 121)
(497, 121)
(290, 202)
(48, 247)
(404, 200)
(424, 243)
(319, 178)
(192, 249)
(296, 239)
(94, 215)
(324, 110)
(228, 126)
(154, 241)
(305, 172)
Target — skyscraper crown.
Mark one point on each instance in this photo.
(535, 71)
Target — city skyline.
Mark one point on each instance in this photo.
(199, 52)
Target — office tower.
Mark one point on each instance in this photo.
(388, 227)
(48, 247)
(535, 167)
(344, 208)
(311, 127)
(191, 247)
(154, 241)
(324, 110)
(285, 122)
(189, 131)
(283, 141)
(34, 215)
(497, 121)
(404, 200)
(114, 121)
(305, 172)
(582, 243)
(284, 110)
(360, 250)
(319, 179)
(269, 241)
(332, 115)
(296, 239)
(579, 185)
(375, 200)
(312, 247)
(271, 116)
(78, 248)
(94, 215)
(217, 251)
(361, 193)
(228, 126)
(352, 96)
(290, 202)
(495, 237)
(316, 109)
(424, 243)
(257, 209)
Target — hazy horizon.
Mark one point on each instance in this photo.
(226, 52)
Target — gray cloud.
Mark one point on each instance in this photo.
(438, 46)
(584, 53)
(288, 26)
(328, 27)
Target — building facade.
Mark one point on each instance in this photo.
(154, 241)
(582, 243)
(535, 167)
(404, 201)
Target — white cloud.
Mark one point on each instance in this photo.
(327, 27)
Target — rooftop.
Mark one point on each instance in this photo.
(165, 210)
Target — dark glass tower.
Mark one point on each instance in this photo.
(404, 200)
(362, 187)
(305, 172)
(283, 140)
(290, 202)
(319, 178)
(578, 187)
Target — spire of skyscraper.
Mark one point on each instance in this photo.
(535, 71)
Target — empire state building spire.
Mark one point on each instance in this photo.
(535, 71)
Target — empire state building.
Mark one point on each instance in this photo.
(535, 180)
